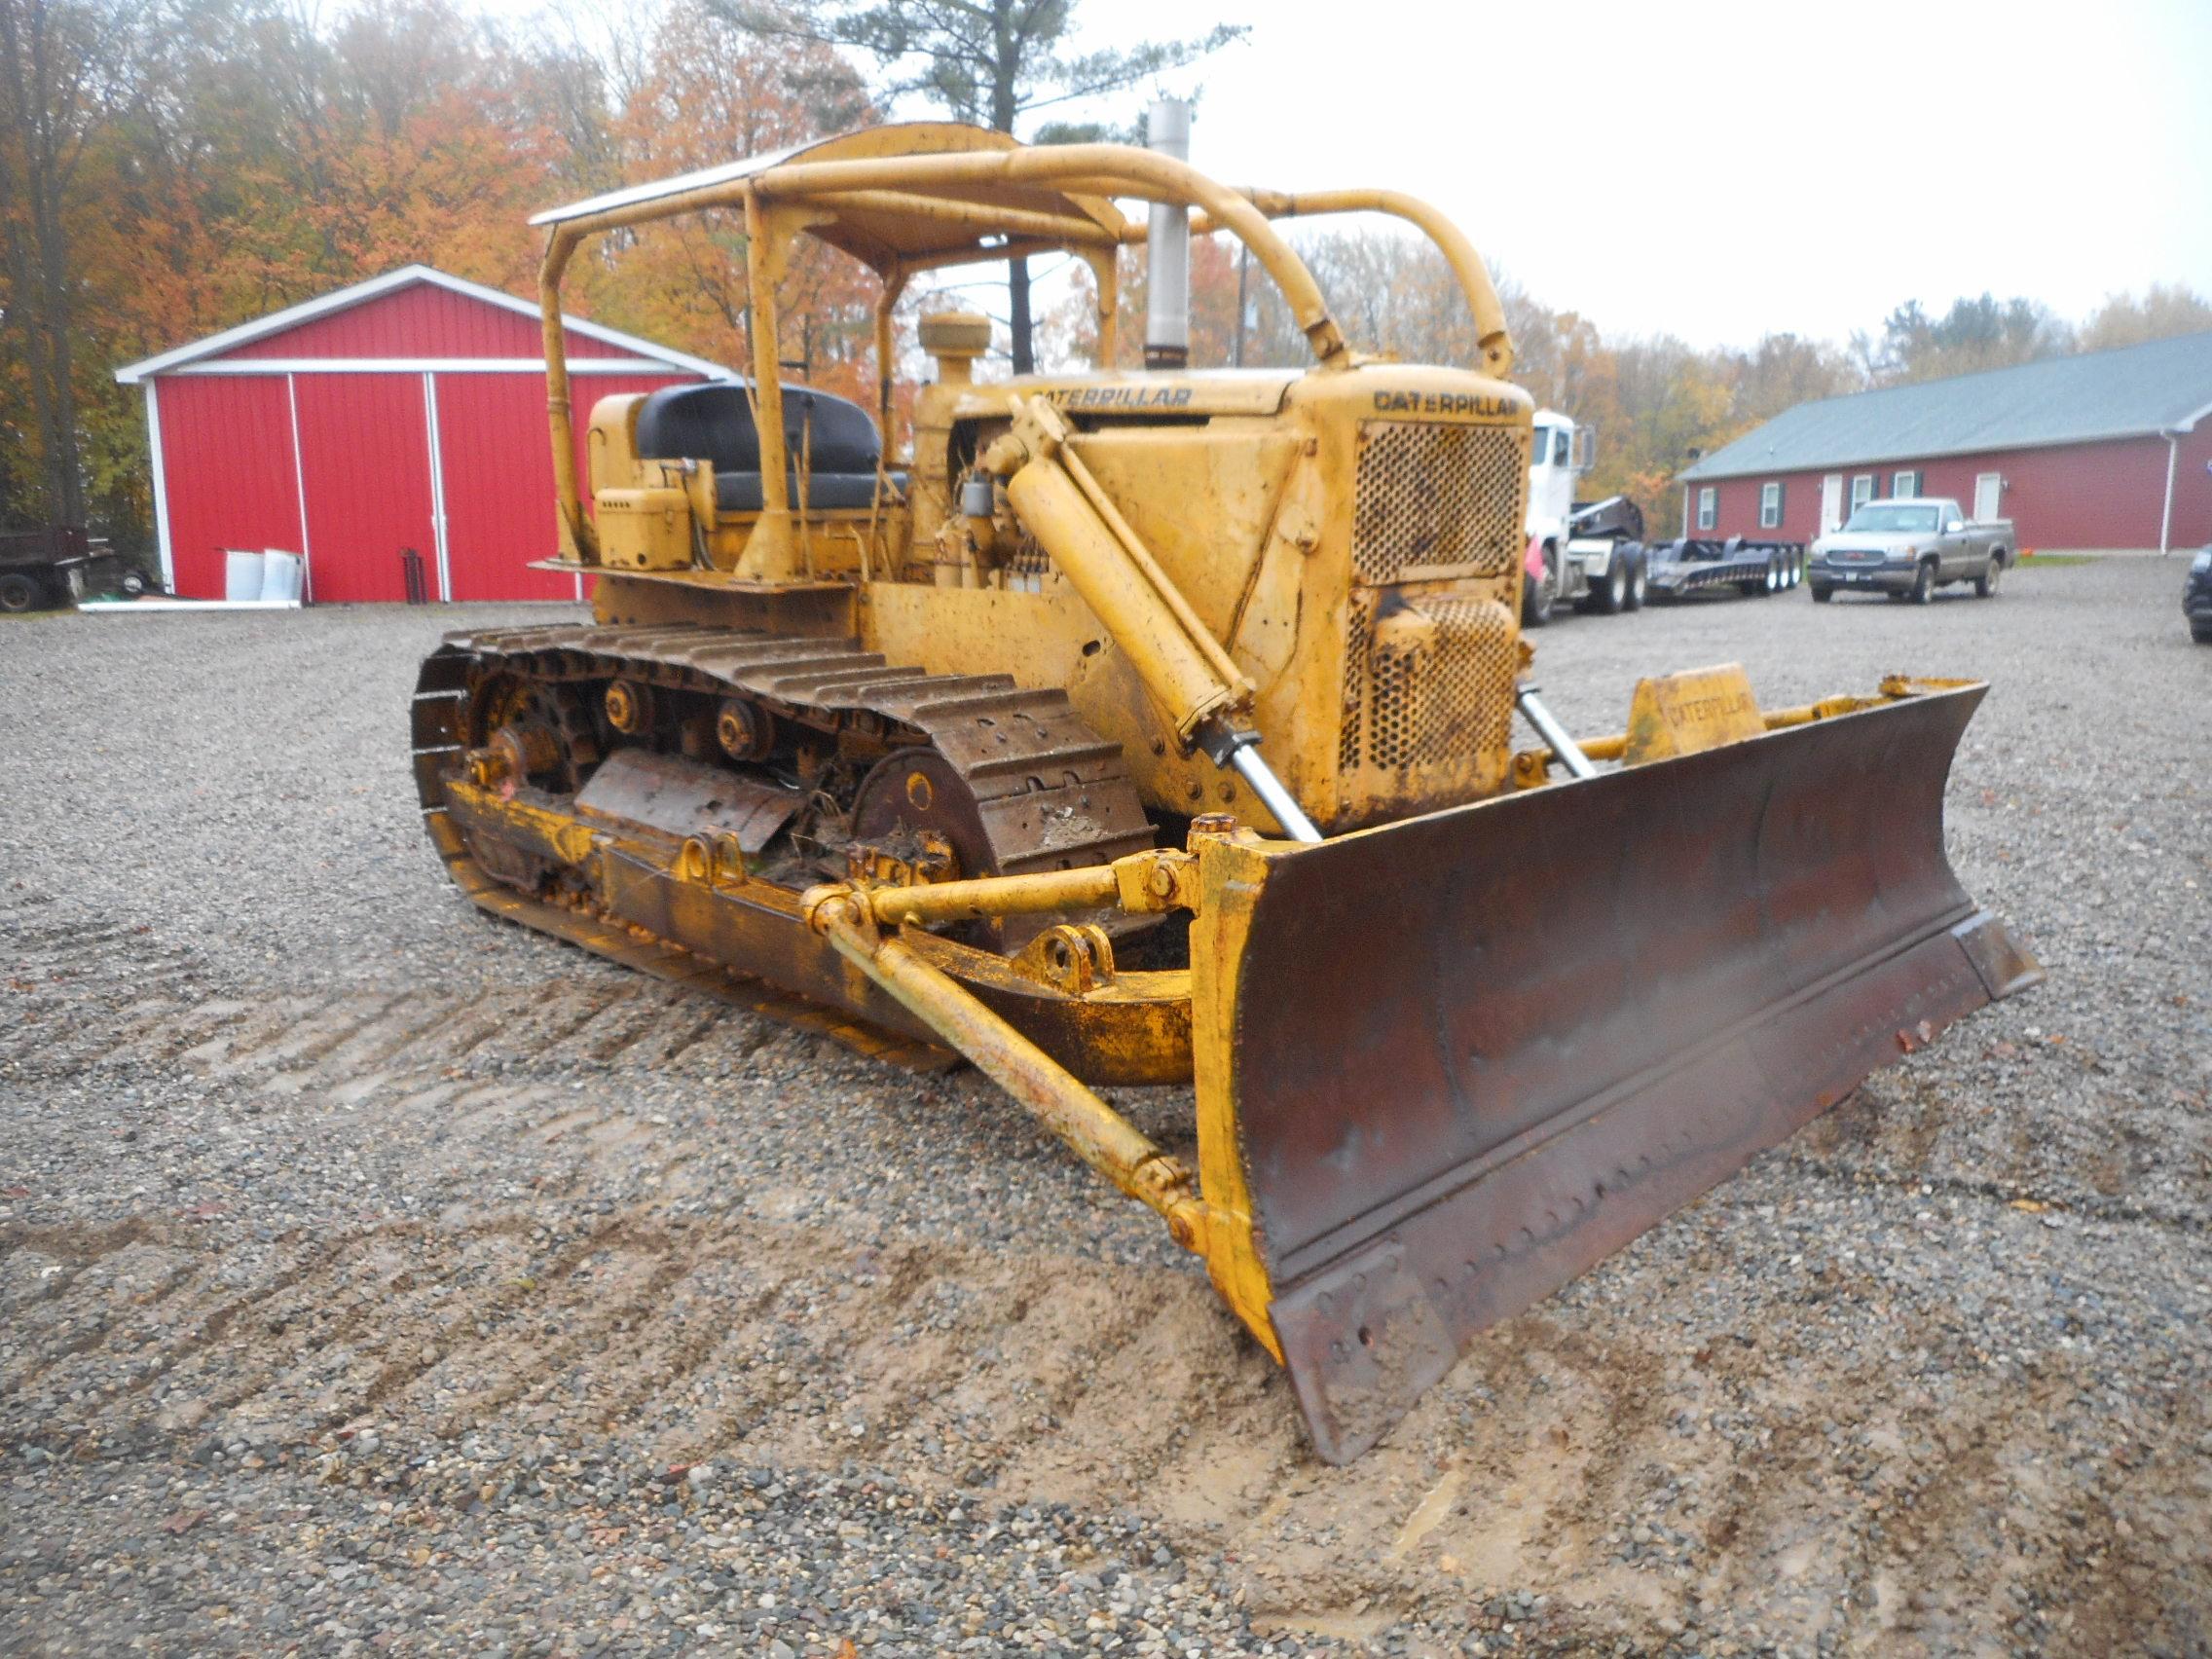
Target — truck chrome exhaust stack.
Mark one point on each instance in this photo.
(1167, 252)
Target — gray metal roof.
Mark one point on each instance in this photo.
(2163, 386)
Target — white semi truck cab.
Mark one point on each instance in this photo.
(1559, 453)
(1588, 553)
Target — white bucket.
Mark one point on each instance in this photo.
(243, 574)
(280, 576)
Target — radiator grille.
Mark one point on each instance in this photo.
(1394, 721)
(1439, 695)
(1469, 689)
(1438, 499)
(1359, 642)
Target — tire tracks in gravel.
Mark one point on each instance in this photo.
(1016, 1374)
(650, 1308)
(445, 1329)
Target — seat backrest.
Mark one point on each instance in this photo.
(713, 423)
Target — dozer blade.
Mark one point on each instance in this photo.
(1472, 1053)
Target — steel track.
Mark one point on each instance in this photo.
(1050, 793)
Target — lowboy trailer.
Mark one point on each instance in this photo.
(1753, 569)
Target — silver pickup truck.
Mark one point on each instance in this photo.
(1908, 547)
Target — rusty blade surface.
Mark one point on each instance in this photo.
(1477, 1052)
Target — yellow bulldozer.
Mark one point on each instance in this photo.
(1157, 727)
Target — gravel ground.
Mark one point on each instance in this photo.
(381, 1277)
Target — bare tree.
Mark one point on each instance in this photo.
(991, 62)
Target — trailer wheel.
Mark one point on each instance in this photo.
(1924, 582)
(132, 584)
(1636, 586)
(18, 591)
(1985, 584)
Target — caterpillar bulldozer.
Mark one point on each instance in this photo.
(1157, 727)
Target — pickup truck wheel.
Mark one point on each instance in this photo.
(18, 591)
(1823, 594)
(1923, 583)
(1985, 584)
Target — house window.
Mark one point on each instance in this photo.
(1861, 489)
(1707, 507)
(1770, 506)
(1904, 484)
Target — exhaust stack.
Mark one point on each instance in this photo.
(1168, 273)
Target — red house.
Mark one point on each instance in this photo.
(404, 412)
(2107, 451)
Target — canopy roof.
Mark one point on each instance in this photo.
(879, 237)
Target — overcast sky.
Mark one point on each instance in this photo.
(1724, 170)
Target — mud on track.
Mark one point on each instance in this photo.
(367, 1267)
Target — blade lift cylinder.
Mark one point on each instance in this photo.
(1536, 713)
(1182, 665)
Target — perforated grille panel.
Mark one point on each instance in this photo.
(1359, 640)
(1430, 689)
(1438, 499)
(1393, 720)
(1465, 690)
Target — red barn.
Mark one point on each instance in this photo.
(2107, 451)
(404, 412)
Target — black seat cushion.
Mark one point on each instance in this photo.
(713, 423)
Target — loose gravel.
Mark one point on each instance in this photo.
(378, 1278)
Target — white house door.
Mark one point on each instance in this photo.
(1831, 503)
(1988, 492)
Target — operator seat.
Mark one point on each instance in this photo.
(713, 423)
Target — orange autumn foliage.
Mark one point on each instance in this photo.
(708, 95)
(252, 161)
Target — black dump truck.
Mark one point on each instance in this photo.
(43, 568)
